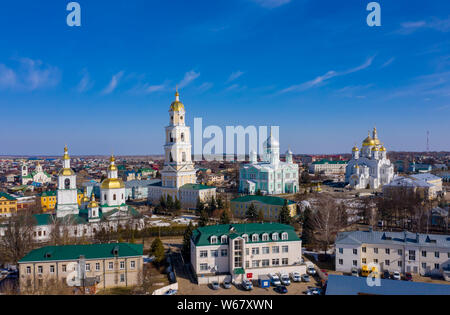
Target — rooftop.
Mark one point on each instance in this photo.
(270, 200)
(73, 252)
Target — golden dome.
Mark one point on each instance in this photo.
(85, 198)
(93, 203)
(383, 149)
(355, 149)
(66, 153)
(112, 183)
(112, 168)
(368, 141)
(177, 106)
(375, 149)
(66, 172)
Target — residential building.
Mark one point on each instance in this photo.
(269, 205)
(328, 167)
(95, 266)
(370, 167)
(424, 254)
(245, 251)
(427, 186)
(8, 205)
(270, 176)
(48, 201)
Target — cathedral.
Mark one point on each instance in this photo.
(270, 176)
(369, 167)
(178, 177)
(37, 176)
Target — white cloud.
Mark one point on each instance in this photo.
(327, 76)
(441, 25)
(113, 84)
(387, 63)
(85, 83)
(189, 77)
(235, 75)
(205, 86)
(29, 75)
(270, 4)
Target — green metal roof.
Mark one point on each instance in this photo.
(201, 236)
(196, 187)
(329, 162)
(7, 196)
(49, 193)
(92, 251)
(270, 200)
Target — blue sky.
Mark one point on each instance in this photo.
(312, 67)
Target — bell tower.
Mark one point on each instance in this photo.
(67, 203)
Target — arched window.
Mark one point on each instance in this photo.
(245, 237)
(184, 156)
(284, 236)
(214, 239)
(224, 239)
(114, 197)
(255, 238)
(182, 137)
(67, 183)
(104, 197)
(265, 237)
(275, 236)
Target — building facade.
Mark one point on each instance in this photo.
(424, 254)
(369, 167)
(270, 206)
(427, 186)
(96, 266)
(270, 176)
(178, 176)
(327, 167)
(37, 176)
(245, 251)
(8, 205)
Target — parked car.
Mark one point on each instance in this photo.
(396, 275)
(296, 277)
(281, 289)
(247, 285)
(386, 275)
(227, 284)
(284, 277)
(408, 276)
(446, 275)
(355, 272)
(305, 278)
(215, 285)
(311, 270)
(313, 291)
(171, 292)
(274, 280)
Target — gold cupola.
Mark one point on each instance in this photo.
(66, 153)
(355, 149)
(368, 141)
(93, 203)
(177, 106)
(112, 165)
(375, 136)
(383, 149)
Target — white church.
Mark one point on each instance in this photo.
(369, 167)
(37, 176)
(270, 176)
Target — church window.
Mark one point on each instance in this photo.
(67, 183)
(104, 197)
(182, 135)
(114, 197)
(171, 158)
(184, 156)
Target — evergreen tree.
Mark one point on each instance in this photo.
(261, 216)
(204, 218)
(225, 217)
(186, 249)
(177, 204)
(212, 205)
(252, 214)
(170, 203)
(285, 215)
(220, 204)
(157, 250)
(308, 226)
(162, 203)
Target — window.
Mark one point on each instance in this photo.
(265, 263)
(364, 249)
(375, 250)
(341, 261)
(223, 252)
(111, 265)
(28, 270)
(255, 264)
(388, 251)
(424, 253)
(355, 251)
(245, 237)
(122, 265)
(400, 252)
(284, 236)
(424, 265)
(355, 263)
(255, 251)
(275, 250)
(387, 262)
(214, 253)
(341, 250)
(285, 261)
(275, 262)
(114, 197)
(436, 254)
(203, 267)
(214, 239)
(436, 266)
(224, 239)
(364, 261)
(40, 269)
(375, 261)
(255, 238)
(67, 184)
(265, 237)
(122, 278)
(412, 255)
(64, 268)
(275, 236)
(399, 263)
(285, 249)
(265, 250)
(88, 267)
(203, 254)
(97, 266)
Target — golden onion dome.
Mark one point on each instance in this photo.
(383, 149)
(112, 168)
(355, 149)
(66, 172)
(356, 166)
(177, 106)
(112, 183)
(375, 149)
(368, 141)
(93, 203)
(66, 153)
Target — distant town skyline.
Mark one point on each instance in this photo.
(314, 68)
